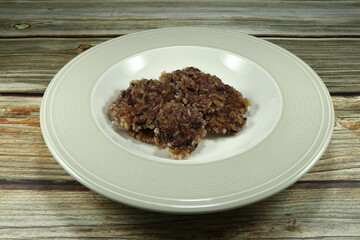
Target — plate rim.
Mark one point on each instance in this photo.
(176, 209)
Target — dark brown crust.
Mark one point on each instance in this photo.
(144, 135)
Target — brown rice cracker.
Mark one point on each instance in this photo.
(196, 88)
(222, 106)
(135, 108)
(230, 118)
(179, 128)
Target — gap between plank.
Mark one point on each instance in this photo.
(21, 94)
(73, 185)
(41, 185)
(260, 35)
(341, 94)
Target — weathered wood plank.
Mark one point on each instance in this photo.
(104, 18)
(24, 155)
(336, 61)
(294, 213)
(40, 200)
(28, 65)
(341, 160)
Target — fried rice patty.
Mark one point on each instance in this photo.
(179, 128)
(223, 106)
(176, 111)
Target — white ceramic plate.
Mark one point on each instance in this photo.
(289, 124)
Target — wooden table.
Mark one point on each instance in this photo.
(39, 200)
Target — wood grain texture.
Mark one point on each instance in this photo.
(104, 18)
(39, 200)
(24, 155)
(336, 61)
(297, 212)
(28, 65)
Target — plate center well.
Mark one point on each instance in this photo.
(253, 81)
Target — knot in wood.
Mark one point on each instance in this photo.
(83, 47)
(21, 26)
